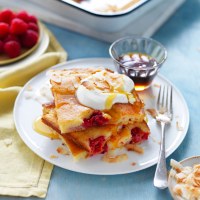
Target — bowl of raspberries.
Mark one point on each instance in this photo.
(19, 35)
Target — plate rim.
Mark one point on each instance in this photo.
(152, 163)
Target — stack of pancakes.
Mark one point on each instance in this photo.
(87, 131)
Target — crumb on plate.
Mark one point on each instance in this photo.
(114, 159)
(53, 156)
(134, 147)
(156, 85)
(154, 139)
(178, 126)
(152, 112)
(62, 151)
(133, 163)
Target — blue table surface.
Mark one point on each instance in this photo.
(181, 36)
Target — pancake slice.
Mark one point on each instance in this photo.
(94, 139)
(76, 151)
(134, 133)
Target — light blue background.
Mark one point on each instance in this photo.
(181, 36)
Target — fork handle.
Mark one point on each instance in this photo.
(160, 177)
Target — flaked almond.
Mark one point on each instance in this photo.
(178, 191)
(88, 85)
(109, 70)
(102, 85)
(180, 177)
(196, 182)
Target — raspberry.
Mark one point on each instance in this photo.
(12, 49)
(96, 119)
(11, 37)
(6, 16)
(1, 46)
(138, 135)
(23, 15)
(4, 29)
(33, 19)
(29, 39)
(97, 145)
(33, 26)
(18, 26)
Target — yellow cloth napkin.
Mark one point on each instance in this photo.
(23, 173)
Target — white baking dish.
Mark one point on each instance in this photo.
(100, 21)
(143, 19)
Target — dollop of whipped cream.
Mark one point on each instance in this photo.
(103, 89)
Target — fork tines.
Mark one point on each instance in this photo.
(164, 102)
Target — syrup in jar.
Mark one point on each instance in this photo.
(141, 68)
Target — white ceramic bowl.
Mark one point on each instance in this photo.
(191, 161)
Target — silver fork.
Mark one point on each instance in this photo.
(164, 116)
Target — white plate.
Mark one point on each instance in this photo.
(190, 162)
(42, 47)
(27, 110)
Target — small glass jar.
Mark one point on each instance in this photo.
(139, 58)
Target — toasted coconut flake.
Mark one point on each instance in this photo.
(178, 126)
(180, 177)
(53, 156)
(156, 85)
(152, 112)
(133, 163)
(134, 147)
(176, 165)
(178, 191)
(114, 159)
